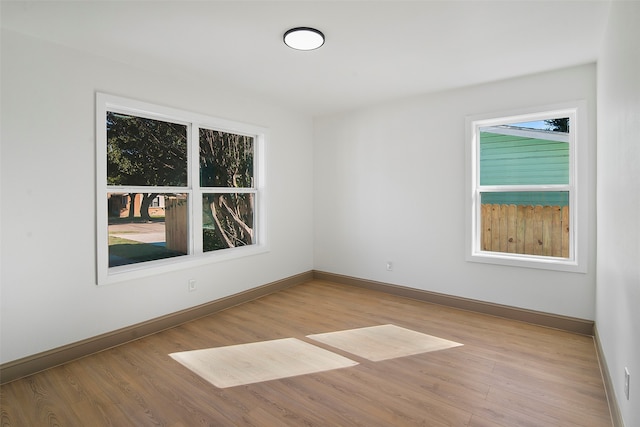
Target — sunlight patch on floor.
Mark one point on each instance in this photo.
(288, 357)
(260, 361)
(383, 342)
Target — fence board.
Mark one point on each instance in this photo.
(520, 236)
(537, 230)
(512, 217)
(565, 232)
(556, 238)
(495, 227)
(531, 230)
(546, 231)
(176, 224)
(486, 230)
(529, 241)
(504, 230)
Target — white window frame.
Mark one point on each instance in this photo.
(196, 256)
(577, 188)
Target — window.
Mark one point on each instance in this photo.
(523, 206)
(174, 189)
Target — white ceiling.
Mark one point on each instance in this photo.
(374, 50)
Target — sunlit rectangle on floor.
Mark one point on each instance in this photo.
(383, 342)
(260, 361)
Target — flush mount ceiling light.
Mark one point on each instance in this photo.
(303, 38)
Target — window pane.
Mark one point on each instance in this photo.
(531, 223)
(226, 159)
(146, 227)
(528, 153)
(227, 220)
(145, 152)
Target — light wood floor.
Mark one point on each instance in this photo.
(506, 373)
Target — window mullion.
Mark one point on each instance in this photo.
(511, 188)
(228, 190)
(196, 200)
(145, 189)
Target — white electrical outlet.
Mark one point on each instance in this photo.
(192, 285)
(389, 266)
(627, 377)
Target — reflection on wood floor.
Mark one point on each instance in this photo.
(506, 374)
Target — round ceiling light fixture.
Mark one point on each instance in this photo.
(303, 38)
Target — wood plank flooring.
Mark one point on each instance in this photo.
(506, 373)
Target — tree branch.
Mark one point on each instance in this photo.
(237, 218)
(219, 230)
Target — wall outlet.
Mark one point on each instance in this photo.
(389, 266)
(627, 377)
(192, 285)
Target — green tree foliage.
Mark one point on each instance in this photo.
(145, 152)
(226, 161)
(558, 125)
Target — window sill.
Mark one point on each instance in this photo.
(152, 268)
(527, 261)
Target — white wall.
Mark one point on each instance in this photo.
(618, 278)
(48, 292)
(389, 186)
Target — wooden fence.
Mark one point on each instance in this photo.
(531, 230)
(176, 224)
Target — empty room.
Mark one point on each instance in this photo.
(321, 213)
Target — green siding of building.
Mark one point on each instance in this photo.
(517, 160)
